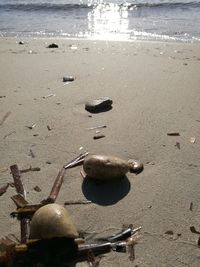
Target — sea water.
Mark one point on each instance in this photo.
(173, 20)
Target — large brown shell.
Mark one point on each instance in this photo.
(102, 167)
(50, 221)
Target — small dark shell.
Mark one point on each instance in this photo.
(101, 167)
(135, 166)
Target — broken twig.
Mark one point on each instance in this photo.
(56, 187)
(76, 161)
(30, 169)
(173, 134)
(77, 202)
(17, 180)
(50, 95)
(96, 127)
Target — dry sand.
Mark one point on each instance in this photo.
(155, 90)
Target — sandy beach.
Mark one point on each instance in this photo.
(155, 90)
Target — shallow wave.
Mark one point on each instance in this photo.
(48, 7)
(192, 4)
(43, 7)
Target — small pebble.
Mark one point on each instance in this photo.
(53, 45)
(98, 105)
(37, 188)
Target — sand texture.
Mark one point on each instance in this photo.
(155, 88)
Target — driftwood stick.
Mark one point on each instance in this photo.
(24, 223)
(17, 180)
(19, 200)
(56, 188)
(60, 177)
(26, 211)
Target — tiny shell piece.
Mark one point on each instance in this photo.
(192, 140)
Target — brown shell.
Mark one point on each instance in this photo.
(102, 167)
(50, 221)
(135, 166)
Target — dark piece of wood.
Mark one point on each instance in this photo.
(60, 177)
(98, 136)
(19, 200)
(173, 134)
(35, 169)
(56, 187)
(24, 223)
(26, 211)
(17, 180)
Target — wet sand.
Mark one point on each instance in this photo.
(155, 91)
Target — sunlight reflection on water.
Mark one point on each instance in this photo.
(109, 21)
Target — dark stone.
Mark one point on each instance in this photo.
(53, 45)
(99, 105)
(21, 42)
(68, 79)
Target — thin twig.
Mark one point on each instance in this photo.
(76, 161)
(96, 127)
(74, 202)
(30, 169)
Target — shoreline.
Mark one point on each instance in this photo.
(155, 90)
(136, 40)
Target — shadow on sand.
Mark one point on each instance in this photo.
(107, 193)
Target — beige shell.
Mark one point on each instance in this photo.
(102, 167)
(50, 221)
